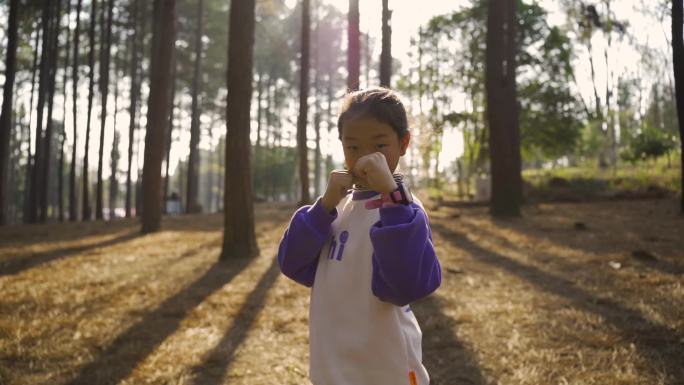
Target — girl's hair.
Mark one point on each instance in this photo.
(381, 104)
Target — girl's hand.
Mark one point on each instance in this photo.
(338, 186)
(374, 171)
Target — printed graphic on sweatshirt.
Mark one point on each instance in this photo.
(337, 249)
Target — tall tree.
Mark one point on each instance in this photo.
(87, 210)
(60, 176)
(192, 204)
(135, 44)
(353, 47)
(30, 163)
(163, 38)
(239, 239)
(386, 54)
(36, 174)
(51, 88)
(6, 114)
(105, 55)
(302, 148)
(73, 209)
(678, 66)
(502, 109)
(169, 132)
(114, 169)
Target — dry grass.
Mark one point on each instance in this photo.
(524, 301)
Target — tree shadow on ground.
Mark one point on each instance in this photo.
(659, 344)
(215, 366)
(447, 359)
(17, 265)
(118, 360)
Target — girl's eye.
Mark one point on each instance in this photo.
(352, 148)
(381, 145)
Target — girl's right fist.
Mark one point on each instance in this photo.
(338, 186)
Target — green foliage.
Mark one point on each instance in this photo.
(451, 56)
(650, 143)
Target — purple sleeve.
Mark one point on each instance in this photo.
(308, 231)
(405, 266)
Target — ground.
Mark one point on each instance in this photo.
(573, 293)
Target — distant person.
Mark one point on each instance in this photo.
(365, 248)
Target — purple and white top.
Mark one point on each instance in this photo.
(365, 267)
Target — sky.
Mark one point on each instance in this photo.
(407, 16)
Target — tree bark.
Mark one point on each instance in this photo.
(30, 163)
(47, 141)
(386, 54)
(6, 113)
(353, 48)
(115, 154)
(163, 38)
(302, 148)
(91, 86)
(169, 135)
(105, 55)
(73, 201)
(678, 66)
(239, 239)
(36, 173)
(135, 37)
(317, 104)
(192, 205)
(60, 200)
(502, 109)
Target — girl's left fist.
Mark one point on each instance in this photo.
(373, 169)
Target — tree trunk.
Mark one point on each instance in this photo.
(163, 38)
(239, 239)
(6, 113)
(502, 110)
(353, 49)
(60, 200)
(317, 105)
(36, 173)
(134, 96)
(115, 154)
(47, 141)
(386, 55)
(91, 86)
(105, 55)
(169, 134)
(192, 205)
(302, 148)
(29, 164)
(678, 66)
(73, 201)
(60, 180)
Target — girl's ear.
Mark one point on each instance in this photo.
(404, 143)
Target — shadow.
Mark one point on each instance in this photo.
(656, 343)
(631, 222)
(447, 360)
(20, 264)
(652, 263)
(215, 366)
(17, 234)
(119, 359)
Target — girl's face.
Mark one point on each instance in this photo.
(367, 135)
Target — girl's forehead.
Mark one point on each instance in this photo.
(365, 128)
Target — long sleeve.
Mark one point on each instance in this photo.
(405, 266)
(302, 242)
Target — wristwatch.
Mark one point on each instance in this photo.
(402, 194)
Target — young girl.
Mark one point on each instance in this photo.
(366, 254)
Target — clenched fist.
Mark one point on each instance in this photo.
(374, 171)
(338, 185)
